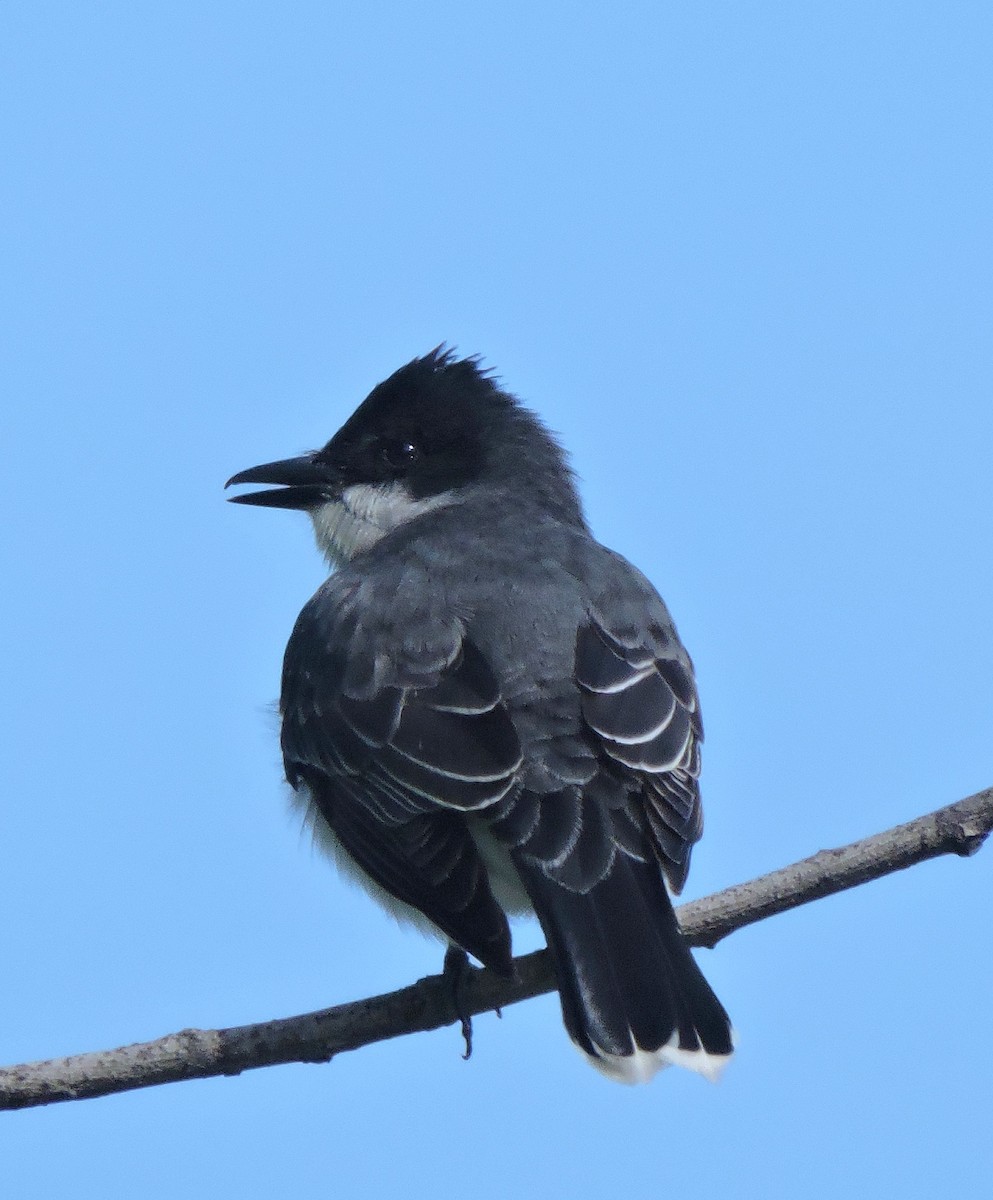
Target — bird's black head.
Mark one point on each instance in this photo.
(436, 430)
(429, 425)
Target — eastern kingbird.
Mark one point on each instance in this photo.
(486, 712)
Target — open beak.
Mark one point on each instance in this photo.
(305, 483)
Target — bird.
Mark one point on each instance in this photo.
(487, 713)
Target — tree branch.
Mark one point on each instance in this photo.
(317, 1037)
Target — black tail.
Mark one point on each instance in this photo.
(633, 998)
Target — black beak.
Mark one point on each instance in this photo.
(306, 483)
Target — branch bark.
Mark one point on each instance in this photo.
(317, 1037)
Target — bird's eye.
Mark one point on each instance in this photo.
(399, 454)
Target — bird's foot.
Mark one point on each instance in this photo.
(457, 972)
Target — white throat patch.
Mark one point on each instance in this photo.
(365, 513)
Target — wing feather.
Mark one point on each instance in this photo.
(395, 755)
(639, 702)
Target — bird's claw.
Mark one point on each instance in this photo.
(457, 972)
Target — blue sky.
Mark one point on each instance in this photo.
(739, 256)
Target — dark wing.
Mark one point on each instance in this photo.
(639, 702)
(395, 751)
(592, 853)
